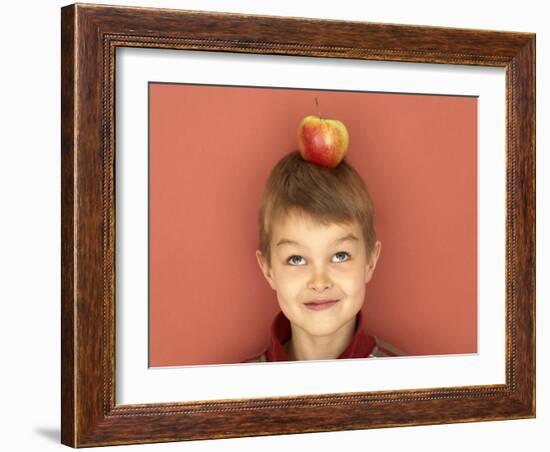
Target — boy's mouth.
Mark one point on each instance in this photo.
(319, 305)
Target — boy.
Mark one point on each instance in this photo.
(318, 250)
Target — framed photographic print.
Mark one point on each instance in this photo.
(173, 122)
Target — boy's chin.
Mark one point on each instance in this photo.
(320, 329)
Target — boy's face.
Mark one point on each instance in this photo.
(312, 262)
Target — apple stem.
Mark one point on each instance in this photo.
(318, 111)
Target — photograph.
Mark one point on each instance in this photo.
(235, 171)
(275, 225)
(262, 226)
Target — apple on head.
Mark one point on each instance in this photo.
(323, 141)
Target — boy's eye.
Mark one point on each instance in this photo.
(343, 253)
(294, 260)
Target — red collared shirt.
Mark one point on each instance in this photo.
(362, 344)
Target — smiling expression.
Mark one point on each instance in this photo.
(319, 272)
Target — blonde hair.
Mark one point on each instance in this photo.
(326, 195)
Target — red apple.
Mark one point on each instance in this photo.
(323, 141)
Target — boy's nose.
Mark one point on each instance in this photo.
(319, 281)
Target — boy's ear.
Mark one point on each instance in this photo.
(371, 264)
(265, 267)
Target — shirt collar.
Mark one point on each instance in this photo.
(360, 346)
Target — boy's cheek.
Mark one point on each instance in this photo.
(292, 279)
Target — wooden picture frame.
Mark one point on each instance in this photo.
(90, 36)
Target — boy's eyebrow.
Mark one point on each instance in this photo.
(350, 236)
